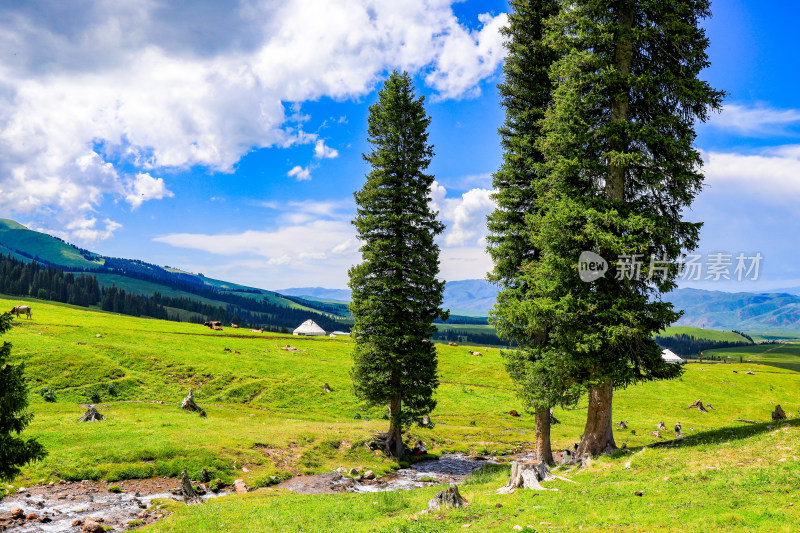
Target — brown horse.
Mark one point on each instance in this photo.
(24, 309)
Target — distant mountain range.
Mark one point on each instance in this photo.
(470, 297)
(779, 310)
(702, 309)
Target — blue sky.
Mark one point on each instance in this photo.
(227, 138)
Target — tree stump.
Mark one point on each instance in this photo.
(447, 498)
(91, 415)
(190, 497)
(698, 404)
(527, 475)
(778, 413)
(189, 405)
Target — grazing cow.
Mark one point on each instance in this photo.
(24, 309)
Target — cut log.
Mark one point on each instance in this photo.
(778, 413)
(527, 475)
(91, 415)
(449, 498)
(698, 404)
(189, 405)
(190, 497)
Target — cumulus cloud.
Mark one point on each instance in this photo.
(324, 152)
(465, 216)
(145, 187)
(300, 173)
(90, 89)
(756, 120)
(772, 174)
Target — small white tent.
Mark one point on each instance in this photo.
(309, 328)
(670, 357)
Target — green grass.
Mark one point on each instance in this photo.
(267, 411)
(18, 237)
(705, 334)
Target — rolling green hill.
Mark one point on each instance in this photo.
(268, 412)
(145, 279)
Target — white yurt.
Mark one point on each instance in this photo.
(309, 328)
(670, 357)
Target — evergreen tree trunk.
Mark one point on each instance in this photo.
(543, 450)
(598, 436)
(396, 427)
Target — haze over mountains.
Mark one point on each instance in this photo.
(778, 310)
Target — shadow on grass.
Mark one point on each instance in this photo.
(721, 435)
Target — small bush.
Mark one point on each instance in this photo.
(48, 395)
(116, 489)
(357, 416)
(94, 397)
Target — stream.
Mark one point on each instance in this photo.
(65, 506)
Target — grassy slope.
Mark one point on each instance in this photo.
(41, 245)
(267, 410)
(707, 334)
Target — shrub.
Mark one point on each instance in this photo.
(94, 397)
(48, 394)
(116, 489)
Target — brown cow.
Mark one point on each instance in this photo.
(24, 309)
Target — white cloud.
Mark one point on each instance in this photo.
(83, 230)
(465, 216)
(145, 187)
(757, 120)
(772, 174)
(157, 84)
(300, 173)
(467, 57)
(324, 152)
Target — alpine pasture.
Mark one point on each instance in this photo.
(269, 418)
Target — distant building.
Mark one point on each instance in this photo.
(670, 357)
(309, 328)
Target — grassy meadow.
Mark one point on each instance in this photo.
(268, 412)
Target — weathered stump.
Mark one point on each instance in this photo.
(190, 497)
(91, 415)
(527, 475)
(447, 498)
(189, 405)
(698, 404)
(778, 413)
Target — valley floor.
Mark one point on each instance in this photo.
(269, 418)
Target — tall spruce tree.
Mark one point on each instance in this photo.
(395, 293)
(525, 94)
(15, 451)
(621, 167)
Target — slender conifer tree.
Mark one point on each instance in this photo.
(396, 295)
